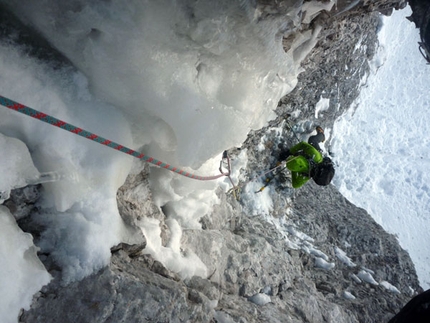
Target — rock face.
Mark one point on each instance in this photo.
(131, 289)
(315, 258)
(421, 18)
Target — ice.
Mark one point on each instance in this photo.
(260, 299)
(223, 317)
(389, 287)
(322, 105)
(348, 295)
(257, 203)
(302, 236)
(79, 207)
(321, 263)
(196, 57)
(318, 253)
(183, 85)
(190, 84)
(190, 81)
(342, 256)
(312, 8)
(17, 166)
(356, 279)
(368, 270)
(22, 273)
(185, 263)
(304, 43)
(267, 290)
(367, 277)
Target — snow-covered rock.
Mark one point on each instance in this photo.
(321, 263)
(367, 277)
(260, 299)
(389, 287)
(348, 295)
(18, 169)
(342, 256)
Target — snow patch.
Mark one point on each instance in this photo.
(367, 277)
(17, 166)
(321, 106)
(376, 141)
(355, 278)
(257, 203)
(260, 299)
(389, 287)
(300, 235)
(341, 255)
(321, 263)
(348, 295)
(183, 262)
(310, 249)
(312, 8)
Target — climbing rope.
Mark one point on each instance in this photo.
(15, 106)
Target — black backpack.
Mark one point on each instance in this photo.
(323, 173)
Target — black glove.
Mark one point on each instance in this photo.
(284, 154)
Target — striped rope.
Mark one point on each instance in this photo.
(103, 141)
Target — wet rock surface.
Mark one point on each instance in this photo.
(316, 258)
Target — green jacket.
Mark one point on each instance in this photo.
(298, 162)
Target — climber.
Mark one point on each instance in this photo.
(317, 139)
(305, 161)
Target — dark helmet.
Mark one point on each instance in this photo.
(323, 173)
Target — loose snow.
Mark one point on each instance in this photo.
(367, 277)
(381, 147)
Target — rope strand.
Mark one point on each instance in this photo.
(15, 106)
